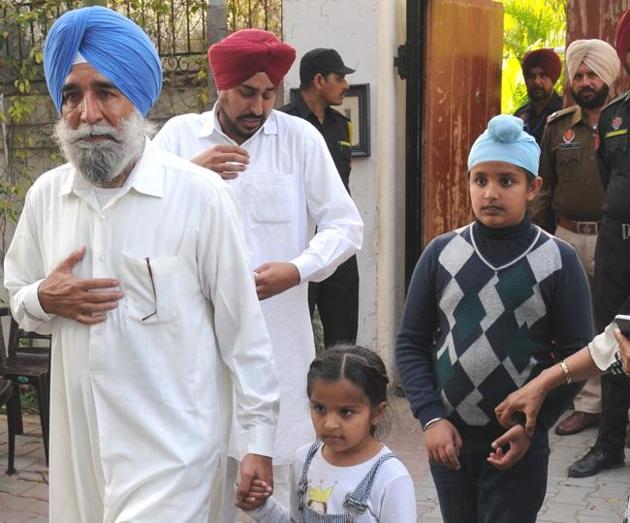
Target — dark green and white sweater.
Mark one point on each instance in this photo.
(487, 310)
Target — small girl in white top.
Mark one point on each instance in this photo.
(347, 475)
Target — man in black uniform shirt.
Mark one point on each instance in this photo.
(541, 69)
(323, 84)
(612, 265)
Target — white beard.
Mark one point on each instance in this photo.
(101, 161)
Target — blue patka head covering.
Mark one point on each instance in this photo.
(115, 46)
(505, 141)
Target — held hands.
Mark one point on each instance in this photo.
(443, 444)
(518, 443)
(256, 483)
(528, 400)
(226, 160)
(275, 277)
(258, 493)
(85, 301)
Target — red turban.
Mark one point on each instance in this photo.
(247, 52)
(546, 59)
(622, 36)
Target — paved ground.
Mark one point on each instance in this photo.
(599, 499)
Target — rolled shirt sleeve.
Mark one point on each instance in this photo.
(604, 347)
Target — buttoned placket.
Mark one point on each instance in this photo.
(99, 270)
(99, 251)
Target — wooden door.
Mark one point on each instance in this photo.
(462, 90)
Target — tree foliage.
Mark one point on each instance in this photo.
(263, 14)
(528, 25)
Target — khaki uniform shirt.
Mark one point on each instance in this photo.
(568, 166)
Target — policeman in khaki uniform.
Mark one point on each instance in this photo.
(322, 85)
(571, 177)
(571, 181)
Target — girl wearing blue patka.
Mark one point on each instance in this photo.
(490, 305)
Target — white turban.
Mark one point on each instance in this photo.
(596, 55)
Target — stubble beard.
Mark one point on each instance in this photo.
(100, 162)
(539, 94)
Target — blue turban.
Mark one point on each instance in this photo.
(505, 141)
(115, 46)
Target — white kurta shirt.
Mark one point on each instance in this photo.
(290, 186)
(140, 410)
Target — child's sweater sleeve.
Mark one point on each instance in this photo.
(415, 340)
(572, 324)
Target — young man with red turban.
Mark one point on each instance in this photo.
(299, 221)
(541, 69)
(134, 260)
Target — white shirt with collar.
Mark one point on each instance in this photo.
(140, 409)
(290, 187)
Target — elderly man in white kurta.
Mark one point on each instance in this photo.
(134, 260)
(287, 184)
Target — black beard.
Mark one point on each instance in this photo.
(231, 128)
(599, 98)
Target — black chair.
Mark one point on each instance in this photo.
(6, 396)
(27, 362)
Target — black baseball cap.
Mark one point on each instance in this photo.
(322, 61)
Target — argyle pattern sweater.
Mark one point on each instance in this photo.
(486, 311)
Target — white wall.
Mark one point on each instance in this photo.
(367, 33)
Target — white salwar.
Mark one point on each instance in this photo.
(290, 187)
(141, 409)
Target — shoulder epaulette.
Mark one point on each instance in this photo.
(619, 98)
(561, 112)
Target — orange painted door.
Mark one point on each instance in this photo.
(462, 90)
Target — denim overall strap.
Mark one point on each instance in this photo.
(303, 484)
(355, 502)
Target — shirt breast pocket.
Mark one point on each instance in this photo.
(617, 144)
(150, 287)
(568, 161)
(269, 198)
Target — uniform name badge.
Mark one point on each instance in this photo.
(615, 125)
